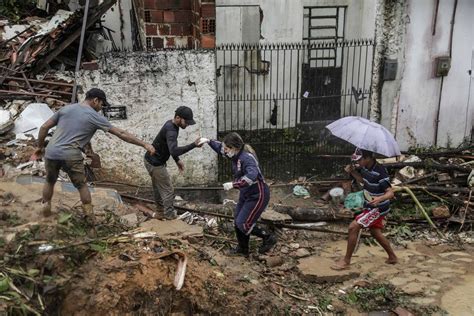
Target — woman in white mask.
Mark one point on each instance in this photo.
(254, 192)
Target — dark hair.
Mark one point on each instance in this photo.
(367, 154)
(234, 140)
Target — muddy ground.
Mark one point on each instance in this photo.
(114, 274)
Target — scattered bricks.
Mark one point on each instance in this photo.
(169, 42)
(400, 311)
(156, 16)
(157, 42)
(90, 65)
(150, 29)
(208, 41)
(208, 10)
(168, 17)
(183, 16)
(150, 4)
(164, 29)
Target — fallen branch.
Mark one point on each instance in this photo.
(423, 211)
(427, 164)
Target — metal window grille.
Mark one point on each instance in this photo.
(147, 16)
(208, 26)
(270, 94)
(148, 43)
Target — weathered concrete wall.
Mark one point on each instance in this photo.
(410, 103)
(152, 86)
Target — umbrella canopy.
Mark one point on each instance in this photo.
(365, 134)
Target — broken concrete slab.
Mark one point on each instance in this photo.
(302, 252)
(272, 216)
(413, 288)
(318, 269)
(129, 219)
(171, 228)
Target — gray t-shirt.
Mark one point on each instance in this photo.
(76, 124)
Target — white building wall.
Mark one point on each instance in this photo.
(419, 96)
(152, 86)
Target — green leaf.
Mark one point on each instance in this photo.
(98, 247)
(33, 272)
(4, 284)
(64, 218)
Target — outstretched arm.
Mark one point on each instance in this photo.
(175, 151)
(216, 146)
(129, 138)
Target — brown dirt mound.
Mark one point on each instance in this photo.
(112, 286)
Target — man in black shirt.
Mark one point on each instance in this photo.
(166, 145)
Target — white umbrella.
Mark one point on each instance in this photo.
(365, 134)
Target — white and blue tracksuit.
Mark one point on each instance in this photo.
(254, 192)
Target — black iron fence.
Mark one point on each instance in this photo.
(280, 97)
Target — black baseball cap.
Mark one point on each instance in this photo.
(186, 113)
(97, 93)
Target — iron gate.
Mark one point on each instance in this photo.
(279, 97)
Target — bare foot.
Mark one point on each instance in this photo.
(392, 260)
(340, 265)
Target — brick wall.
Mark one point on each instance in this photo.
(179, 23)
(204, 24)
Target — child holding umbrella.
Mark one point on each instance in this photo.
(377, 195)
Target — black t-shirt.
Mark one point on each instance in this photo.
(166, 145)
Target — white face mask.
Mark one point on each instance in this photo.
(229, 153)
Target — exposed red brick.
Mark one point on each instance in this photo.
(156, 16)
(187, 29)
(185, 5)
(190, 42)
(168, 16)
(150, 29)
(176, 29)
(170, 42)
(157, 42)
(208, 10)
(150, 4)
(90, 65)
(208, 41)
(183, 16)
(164, 29)
(163, 4)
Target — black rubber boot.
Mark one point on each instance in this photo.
(242, 249)
(268, 240)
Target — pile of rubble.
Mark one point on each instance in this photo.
(37, 44)
(444, 179)
(20, 122)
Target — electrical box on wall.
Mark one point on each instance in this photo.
(390, 69)
(443, 64)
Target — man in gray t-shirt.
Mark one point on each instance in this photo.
(75, 126)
